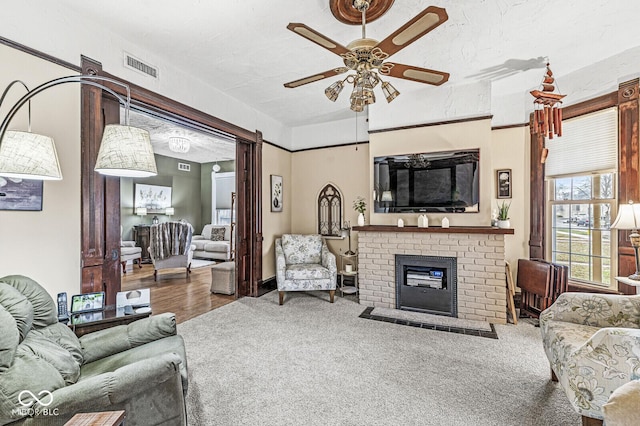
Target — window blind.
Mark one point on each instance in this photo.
(589, 143)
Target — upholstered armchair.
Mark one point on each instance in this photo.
(47, 374)
(304, 263)
(593, 345)
(129, 251)
(170, 246)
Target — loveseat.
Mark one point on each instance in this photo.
(213, 243)
(592, 342)
(47, 374)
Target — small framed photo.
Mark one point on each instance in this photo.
(503, 183)
(276, 193)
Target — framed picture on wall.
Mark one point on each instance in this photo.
(20, 194)
(276, 193)
(154, 198)
(503, 183)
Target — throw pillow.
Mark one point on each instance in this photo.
(217, 234)
(622, 407)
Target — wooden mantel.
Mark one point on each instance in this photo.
(436, 229)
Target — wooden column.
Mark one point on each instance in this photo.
(628, 173)
(257, 216)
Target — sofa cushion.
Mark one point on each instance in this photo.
(309, 271)
(217, 233)
(44, 308)
(9, 339)
(302, 248)
(217, 246)
(18, 306)
(622, 407)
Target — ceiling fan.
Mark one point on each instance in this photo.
(367, 57)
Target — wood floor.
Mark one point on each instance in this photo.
(173, 292)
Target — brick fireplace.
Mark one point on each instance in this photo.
(479, 254)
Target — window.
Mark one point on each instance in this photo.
(330, 211)
(581, 172)
(581, 214)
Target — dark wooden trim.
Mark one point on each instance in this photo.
(628, 170)
(437, 229)
(437, 123)
(39, 54)
(579, 287)
(537, 213)
(277, 146)
(257, 216)
(332, 146)
(510, 126)
(592, 105)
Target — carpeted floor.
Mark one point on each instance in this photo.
(309, 362)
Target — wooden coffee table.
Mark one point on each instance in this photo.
(105, 418)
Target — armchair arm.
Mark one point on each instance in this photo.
(597, 310)
(104, 390)
(281, 264)
(329, 261)
(126, 243)
(197, 237)
(103, 343)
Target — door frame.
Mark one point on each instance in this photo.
(100, 230)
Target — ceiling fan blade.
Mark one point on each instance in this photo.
(424, 22)
(317, 38)
(316, 77)
(408, 72)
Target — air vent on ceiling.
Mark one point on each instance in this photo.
(136, 64)
(184, 167)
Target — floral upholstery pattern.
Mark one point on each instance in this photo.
(311, 267)
(593, 345)
(302, 248)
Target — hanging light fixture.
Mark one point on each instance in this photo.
(124, 150)
(179, 144)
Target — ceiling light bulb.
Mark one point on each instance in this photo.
(179, 144)
(334, 90)
(390, 92)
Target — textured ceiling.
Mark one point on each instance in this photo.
(244, 49)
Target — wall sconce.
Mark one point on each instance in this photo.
(124, 150)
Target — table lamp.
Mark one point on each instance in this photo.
(629, 219)
(346, 232)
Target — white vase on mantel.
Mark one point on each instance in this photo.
(361, 219)
(504, 223)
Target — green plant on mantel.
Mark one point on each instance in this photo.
(359, 205)
(503, 210)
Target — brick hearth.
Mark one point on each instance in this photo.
(480, 257)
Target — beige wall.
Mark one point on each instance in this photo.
(510, 150)
(45, 245)
(446, 137)
(275, 161)
(346, 168)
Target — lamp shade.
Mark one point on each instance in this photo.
(628, 217)
(141, 211)
(170, 211)
(386, 196)
(29, 156)
(126, 151)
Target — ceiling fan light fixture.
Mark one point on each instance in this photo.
(390, 92)
(179, 144)
(334, 90)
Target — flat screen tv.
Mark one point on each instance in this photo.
(427, 182)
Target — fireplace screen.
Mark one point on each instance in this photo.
(426, 284)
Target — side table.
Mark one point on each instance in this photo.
(631, 282)
(82, 324)
(348, 269)
(348, 289)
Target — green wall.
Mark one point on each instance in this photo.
(185, 194)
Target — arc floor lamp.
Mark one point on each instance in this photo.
(124, 150)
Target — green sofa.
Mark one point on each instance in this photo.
(47, 374)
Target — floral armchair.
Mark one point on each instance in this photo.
(304, 263)
(593, 344)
